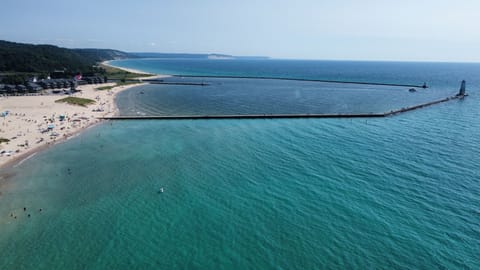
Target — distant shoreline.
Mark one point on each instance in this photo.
(136, 71)
(131, 70)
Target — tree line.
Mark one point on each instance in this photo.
(18, 61)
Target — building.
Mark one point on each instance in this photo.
(33, 87)
(46, 84)
(21, 88)
(93, 80)
(10, 89)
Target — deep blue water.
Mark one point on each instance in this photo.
(437, 75)
(395, 193)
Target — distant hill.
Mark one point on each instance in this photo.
(30, 58)
(192, 56)
(178, 55)
(19, 57)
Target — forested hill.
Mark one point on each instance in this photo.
(19, 57)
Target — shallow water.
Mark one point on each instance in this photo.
(253, 96)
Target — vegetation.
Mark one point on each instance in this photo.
(103, 88)
(18, 57)
(19, 62)
(16, 78)
(123, 77)
(3, 140)
(76, 101)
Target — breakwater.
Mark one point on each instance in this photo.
(272, 116)
(158, 81)
(177, 83)
(303, 80)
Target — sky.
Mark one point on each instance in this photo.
(408, 30)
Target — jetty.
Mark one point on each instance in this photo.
(424, 85)
(272, 116)
(156, 81)
(161, 81)
(177, 83)
(240, 116)
(461, 94)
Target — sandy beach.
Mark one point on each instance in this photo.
(34, 122)
(131, 70)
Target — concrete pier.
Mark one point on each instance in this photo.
(303, 80)
(164, 82)
(240, 116)
(161, 81)
(272, 116)
(179, 83)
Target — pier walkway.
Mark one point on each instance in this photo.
(271, 116)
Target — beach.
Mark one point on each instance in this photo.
(137, 71)
(36, 122)
(131, 70)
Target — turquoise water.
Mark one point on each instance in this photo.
(253, 96)
(394, 193)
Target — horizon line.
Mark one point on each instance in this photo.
(267, 57)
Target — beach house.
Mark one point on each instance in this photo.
(10, 89)
(21, 89)
(33, 87)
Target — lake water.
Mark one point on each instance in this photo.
(393, 193)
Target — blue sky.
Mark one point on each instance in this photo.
(422, 30)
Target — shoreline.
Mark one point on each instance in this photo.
(131, 70)
(48, 107)
(136, 71)
(24, 156)
(28, 115)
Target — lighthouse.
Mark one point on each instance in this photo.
(461, 93)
